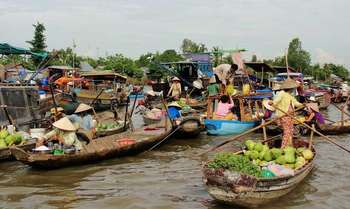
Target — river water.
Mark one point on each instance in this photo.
(168, 177)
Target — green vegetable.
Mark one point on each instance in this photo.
(254, 155)
(249, 144)
(2, 144)
(10, 140)
(281, 160)
(18, 138)
(3, 134)
(233, 162)
(300, 151)
(268, 156)
(265, 148)
(276, 153)
(261, 155)
(307, 154)
(289, 150)
(258, 147)
(290, 157)
(247, 153)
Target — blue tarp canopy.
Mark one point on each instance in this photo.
(7, 49)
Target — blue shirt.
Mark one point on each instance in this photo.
(174, 113)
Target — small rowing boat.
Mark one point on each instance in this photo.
(234, 188)
(5, 153)
(101, 148)
(335, 128)
(228, 127)
(190, 126)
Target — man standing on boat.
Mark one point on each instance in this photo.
(175, 88)
(285, 101)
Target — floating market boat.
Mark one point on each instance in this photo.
(228, 127)
(99, 149)
(335, 128)
(235, 188)
(190, 127)
(5, 153)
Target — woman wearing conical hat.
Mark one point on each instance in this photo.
(65, 132)
(175, 88)
(83, 120)
(285, 101)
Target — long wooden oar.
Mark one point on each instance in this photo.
(165, 138)
(245, 133)
(341, 109)
(314, 130)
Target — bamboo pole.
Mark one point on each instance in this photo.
(264, 130)
(313, 129)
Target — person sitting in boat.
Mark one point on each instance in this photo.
(174, 112)
(175, 88)
(285, 101)
(313, 115)
(83, 120)
(223, 111)
(65, 132)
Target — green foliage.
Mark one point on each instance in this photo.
(67, 57)
(189, 46)
(233, 162)
(38, 42)
(121, 64)
(152, 62)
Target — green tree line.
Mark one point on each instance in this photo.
(298, 58)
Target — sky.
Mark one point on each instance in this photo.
(135, 27)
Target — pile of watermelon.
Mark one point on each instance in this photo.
(7, 139)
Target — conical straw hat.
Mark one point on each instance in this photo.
(174, 104)
(64, 124)
(82, 107)
(267, 105)
(176, 79)
(289, 84)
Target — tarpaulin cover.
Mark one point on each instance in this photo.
(7, 49)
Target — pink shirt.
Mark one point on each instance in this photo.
(223, 109)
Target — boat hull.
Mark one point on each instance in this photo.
(251, 192)
(228, 127)
(97, 150)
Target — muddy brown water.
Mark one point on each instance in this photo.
(168, 177)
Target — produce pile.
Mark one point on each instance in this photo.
(233, 162)
(260, 161)
(289, 157)
(7, 139)
(109, 126)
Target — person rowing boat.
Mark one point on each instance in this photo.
(284, 100)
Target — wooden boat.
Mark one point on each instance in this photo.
(235, 188)
(335, 128)
(228, 127)
(190, 127)
(5, 153)
(99, 149)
